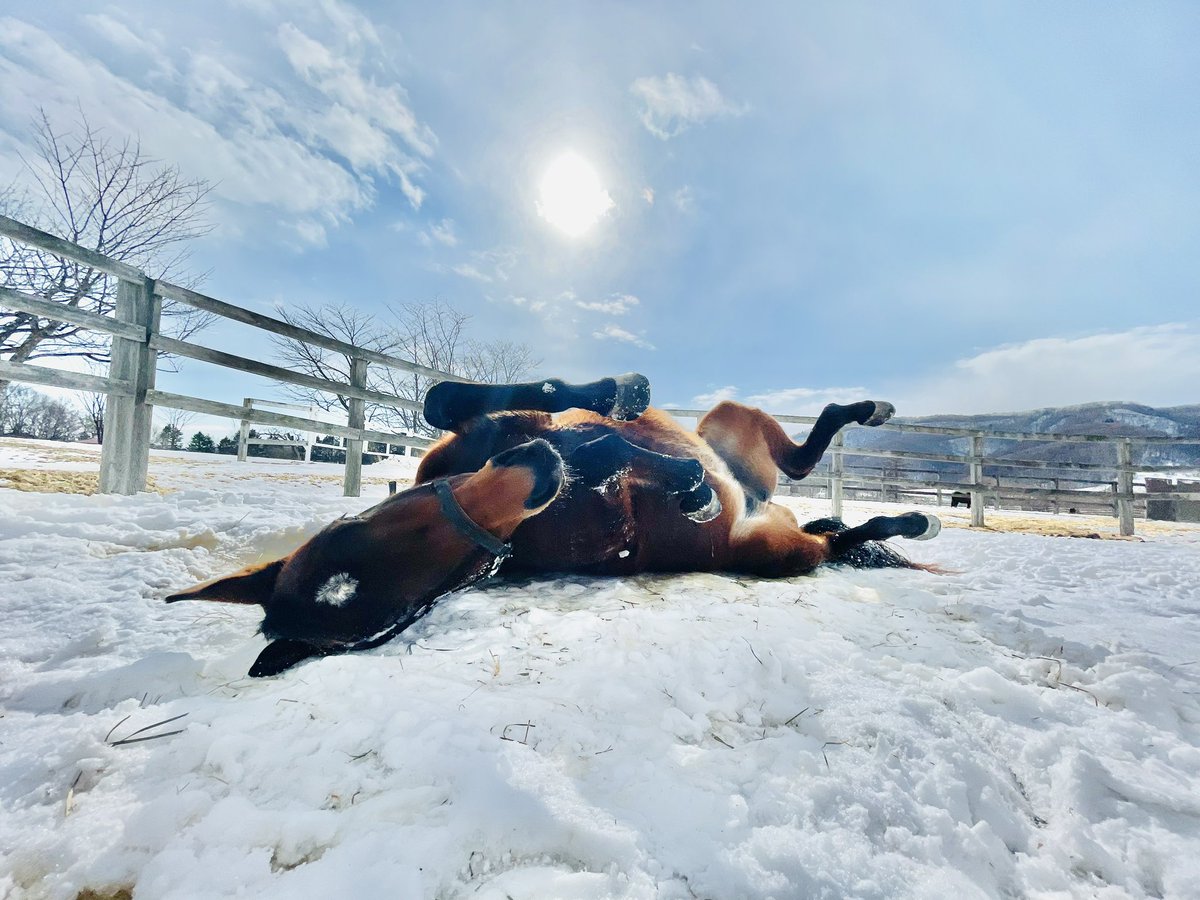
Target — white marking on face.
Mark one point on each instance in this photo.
(338, 590)
(547, 388)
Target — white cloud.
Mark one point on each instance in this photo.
(673, 103)
(468, 270)
(614, 332)
(529, 304)
(796, 401)
(440, 233)
(712, 398)
(617, 305)
(1158, 365)
(684, 199)
(486, 266)
(308, 161)
(364, 119)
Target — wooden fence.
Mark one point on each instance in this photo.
(1118, 494)
(132, 396)
(137, 340)
(407, 443)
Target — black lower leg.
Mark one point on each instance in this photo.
(910, 525)
(833, 419)
(448, 404)
(596, 461)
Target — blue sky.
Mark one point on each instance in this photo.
(960, 207)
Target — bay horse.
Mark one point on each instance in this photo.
(609, 486)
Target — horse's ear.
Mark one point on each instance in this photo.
(251, 585)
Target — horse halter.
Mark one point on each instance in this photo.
(465, 525)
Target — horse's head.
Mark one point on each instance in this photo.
(363, 579)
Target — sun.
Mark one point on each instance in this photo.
(570, 196)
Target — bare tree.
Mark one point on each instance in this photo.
(430, 334)
(170, 436)
(93, 405)
(106, 195)
(28, 413)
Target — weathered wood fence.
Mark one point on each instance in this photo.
(406, 443)
(1117, 495)
(137, 340)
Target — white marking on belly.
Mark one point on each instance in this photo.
(338, 590)
(547, 388)
(623, 554)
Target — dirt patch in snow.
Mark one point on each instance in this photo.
(49, 481)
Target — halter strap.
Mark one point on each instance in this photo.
(466, 525)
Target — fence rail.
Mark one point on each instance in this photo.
(1118, 493)
(137, 341)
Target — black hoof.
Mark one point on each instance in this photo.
(688, 476)
(919, 526)
(883, 412)
(633, 397)
(701, 505)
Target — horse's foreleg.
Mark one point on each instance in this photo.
(449, 404)
(756, 448)
(612, 457)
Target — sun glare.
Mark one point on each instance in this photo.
(570, 196)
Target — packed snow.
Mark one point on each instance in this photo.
(1027, 725)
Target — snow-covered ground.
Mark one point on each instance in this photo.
(1029, 726)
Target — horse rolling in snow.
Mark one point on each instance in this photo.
(610, 487)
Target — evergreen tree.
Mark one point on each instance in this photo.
(170, 438)
(202, 443)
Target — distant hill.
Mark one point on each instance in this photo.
(1113, 419)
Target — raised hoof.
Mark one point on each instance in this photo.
(702, 505)
(687, 477)
(633, 397)
(883, 412)
(924, 527)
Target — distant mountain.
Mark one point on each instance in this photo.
(1112, 419)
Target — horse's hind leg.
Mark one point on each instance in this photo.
(756, 448)
(449, 404)
(774, 545)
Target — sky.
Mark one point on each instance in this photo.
(960, 208)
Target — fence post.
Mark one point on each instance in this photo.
(977, 480)
(836, 471)
(1125, 486)
(352, 483)
(125, 454)
(244, 432)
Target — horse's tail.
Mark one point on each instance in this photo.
(868, 555)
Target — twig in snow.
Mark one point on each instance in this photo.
(525, 740)
(717, 738)
(69, 805)
(1076, 687)
(795, 717)
(752, 653)
(114, 728)
(134, 739)
(828, 744)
